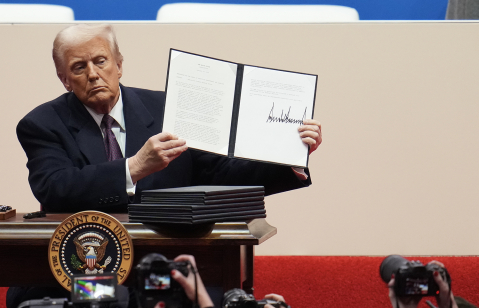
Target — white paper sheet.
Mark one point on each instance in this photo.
(273, 105)
(199, 101)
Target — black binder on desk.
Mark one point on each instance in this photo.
(206, 191)
(182, 216)
(194, 209)
(190, 214)
(192, 220)
(197, 201)
(199, 204)
(201, 195)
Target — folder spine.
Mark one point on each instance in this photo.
(236, 105)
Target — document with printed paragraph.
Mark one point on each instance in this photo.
(238, 110)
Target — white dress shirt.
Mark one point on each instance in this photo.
(119, 130)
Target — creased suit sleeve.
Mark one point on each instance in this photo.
(62, 185)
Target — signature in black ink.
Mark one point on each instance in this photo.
(284, 118)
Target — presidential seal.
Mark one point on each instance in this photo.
(90, 242)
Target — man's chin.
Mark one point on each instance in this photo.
(101, 102)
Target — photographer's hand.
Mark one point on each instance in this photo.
(274, 297)
(188, 283)
(401, 302)
(445, 299)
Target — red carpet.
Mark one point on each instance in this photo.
(2, 297)
(330, 282)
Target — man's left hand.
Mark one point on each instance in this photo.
(310, 133)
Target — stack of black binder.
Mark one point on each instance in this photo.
(199, 204)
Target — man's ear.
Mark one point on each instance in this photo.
(65, 82)
(119, 65)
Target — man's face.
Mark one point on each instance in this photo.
(93, 74)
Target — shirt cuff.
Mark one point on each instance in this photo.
(130, 187)
(300, 174)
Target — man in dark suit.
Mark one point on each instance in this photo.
(73, 153)
(98, 146)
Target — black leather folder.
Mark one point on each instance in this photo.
(202, 194)
(171, 212)
(195, 209)
(199, 204)
(197, 220)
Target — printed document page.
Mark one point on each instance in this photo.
(199, 101)
(273, 105)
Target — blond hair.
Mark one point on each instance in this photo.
(79, 34)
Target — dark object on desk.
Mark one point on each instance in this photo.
(4, 208)
(195, 220)
(34, 215)
(199, 205)
(202, 194)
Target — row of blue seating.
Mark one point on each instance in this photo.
(195, 13)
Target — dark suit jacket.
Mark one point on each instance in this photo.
(69, 171)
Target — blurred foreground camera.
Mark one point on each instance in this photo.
(46, 302)
(240, 299)
(412, 277)
(98, 290)
(155, 284)
(88, 291)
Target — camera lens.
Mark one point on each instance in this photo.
(239, 298)
(390, 265)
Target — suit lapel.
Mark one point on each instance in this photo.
(86, 132)
(137, 121)
(88, 135)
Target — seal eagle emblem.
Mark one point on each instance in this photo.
(90, 248)
(92, 243)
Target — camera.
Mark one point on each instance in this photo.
(412, 277)
(238, 298)
(96, 290)
(155, 284)
(88, 291)
(46, 302)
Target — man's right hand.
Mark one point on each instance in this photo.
(155, 155)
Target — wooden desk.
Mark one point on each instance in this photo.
(224, 252)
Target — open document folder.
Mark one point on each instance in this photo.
(238, 110)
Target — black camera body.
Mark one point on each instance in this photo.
(88, 291)
(46, 302)
(155, 284)
(412, 277)
(237, 298)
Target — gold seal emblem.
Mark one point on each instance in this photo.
(90, 242)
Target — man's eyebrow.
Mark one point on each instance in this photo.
(75, 61)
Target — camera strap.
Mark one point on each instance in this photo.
(195, 272)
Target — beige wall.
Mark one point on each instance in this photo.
(398, 171)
